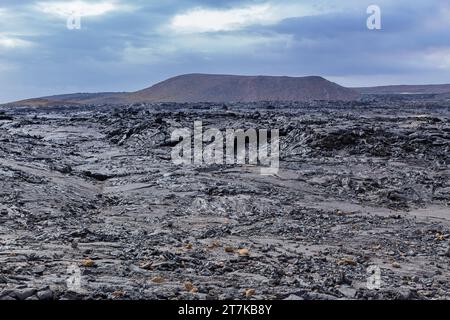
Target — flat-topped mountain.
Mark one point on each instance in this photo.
(230, 88)
(214, 88)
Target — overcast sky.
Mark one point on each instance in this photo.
(129, 45)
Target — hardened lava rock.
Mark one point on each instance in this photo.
(92, 207)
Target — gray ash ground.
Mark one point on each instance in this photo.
(360, 184)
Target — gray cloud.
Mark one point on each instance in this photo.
(132, 49)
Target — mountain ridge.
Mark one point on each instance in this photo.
(406, 89)
(197, 87)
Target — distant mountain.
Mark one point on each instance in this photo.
(80, 97)
(41, 102)
(407, 89)
(71, 99)
(230, 88)
(213, 88)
